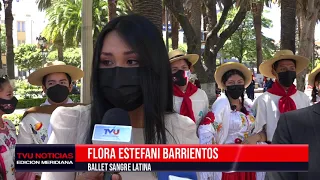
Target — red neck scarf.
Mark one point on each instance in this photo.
(286, 103)
(186, 106)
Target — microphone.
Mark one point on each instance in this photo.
(115, 128)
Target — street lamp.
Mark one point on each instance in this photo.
(42, 42)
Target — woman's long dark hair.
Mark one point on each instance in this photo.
(225, 78)
(156, 78)
(314, 90)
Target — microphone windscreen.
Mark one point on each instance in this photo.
(116, 116)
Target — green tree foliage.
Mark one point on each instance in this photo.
(28, 57)
(241, 44)
(3, 39)
(71, 56)
(64, 20)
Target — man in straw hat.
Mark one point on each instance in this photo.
(55, 78)
(188, 99)
(282, 97)
(301, 127)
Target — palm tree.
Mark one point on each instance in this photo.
(44, 4)
(257, 9)
(288, 25)
(151, 9)
(9, 21)
(64, 22)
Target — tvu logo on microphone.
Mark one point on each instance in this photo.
(112, 131)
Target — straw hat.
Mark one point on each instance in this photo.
(229, 66)
(266, 67)
(36, 77)
(313, 74)
(177, 54)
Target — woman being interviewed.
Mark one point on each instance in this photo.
(131, 71)
(230, 121)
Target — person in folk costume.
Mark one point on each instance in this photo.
(56, 80)
(189, 100)
(282, 97)
(231, 120)
(314, 82)
(8, 136)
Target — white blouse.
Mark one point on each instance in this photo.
(70, 125)
(228, 127)
(8, 140)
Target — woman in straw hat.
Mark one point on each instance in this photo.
(130, 71)
(314, 82)
(231, 120)
(282, 97)
(189, 100)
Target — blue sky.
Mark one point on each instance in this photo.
(274, 14)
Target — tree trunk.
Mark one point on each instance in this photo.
(112, 7)
(257, 9)
(288, 25)
(60, 52)
(174, 32)
(87, 50)
(205, 19)
(307, 29)
(9, 22)
(216, 40)
(150, 9)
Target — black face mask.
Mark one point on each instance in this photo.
(58, 93)
(287, 78)
(121, 87)
(179, 78)
(8, 106)
(235, 91)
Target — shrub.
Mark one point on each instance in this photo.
(28, 103)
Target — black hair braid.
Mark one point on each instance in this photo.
(243, 109)
(314, 94)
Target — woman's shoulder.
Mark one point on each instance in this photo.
(221, 103)
(75, 110)
(67, 114)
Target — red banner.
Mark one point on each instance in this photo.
(191, 153)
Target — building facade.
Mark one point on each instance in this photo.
(27, 25)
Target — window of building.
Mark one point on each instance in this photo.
(18, 26)
(21, 26)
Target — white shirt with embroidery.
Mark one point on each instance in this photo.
(267, 112)
(228, 127)
(34, 128)
(8, 139)
(200, 104)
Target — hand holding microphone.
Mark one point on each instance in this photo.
(115, 128)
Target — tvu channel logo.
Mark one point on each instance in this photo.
(112, 131)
